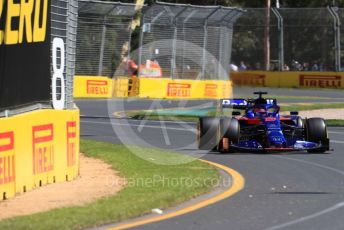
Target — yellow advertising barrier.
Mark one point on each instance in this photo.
(103, 87)
(38, 148)
(93, 87)
(289, 79)
(184, 89)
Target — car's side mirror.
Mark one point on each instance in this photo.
(236, 113)
(294, 113)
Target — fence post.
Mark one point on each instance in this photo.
(205, 41)
(174, 44)
(336, 28)
(102, 45)
(71, 51)
(174, 47)
(220, 61)
(130, 28)
(281, 39)
(140, 47)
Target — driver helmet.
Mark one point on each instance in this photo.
(260, 111)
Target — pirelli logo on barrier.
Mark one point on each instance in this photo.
(98, 87)
(210, 90)
(23, 19)
(7, 159)
(71, 143)
(178, 89)
(320, 81)
(248, 79)
(43, 148)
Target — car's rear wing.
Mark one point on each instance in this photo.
(235, 103)
(242, 104)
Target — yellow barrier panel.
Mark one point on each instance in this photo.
(288, 79)
(121, 87)
(184, 89)
(103, 87)
(38, 148)
(126, 87)
(134, 87)
(93, 87)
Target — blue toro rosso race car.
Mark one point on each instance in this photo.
(261, 128)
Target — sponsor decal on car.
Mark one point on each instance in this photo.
(270, 119)
(234, 102)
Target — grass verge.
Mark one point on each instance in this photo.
(299, 107)
(157, 115)
(296, 98)
(149, 186)
(335, 122)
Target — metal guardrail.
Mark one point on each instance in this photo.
(187, 39)
(103, 30)
(183, 37)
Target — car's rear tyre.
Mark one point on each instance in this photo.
(228, 132)
(316, 131)
(206, 133)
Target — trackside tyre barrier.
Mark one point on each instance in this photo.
(38, 148)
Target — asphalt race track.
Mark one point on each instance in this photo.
(294, 190)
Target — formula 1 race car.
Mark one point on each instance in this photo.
(261, 128)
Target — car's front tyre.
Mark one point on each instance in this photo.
(316, 131)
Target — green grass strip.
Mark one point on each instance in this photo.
(335, 122)
(300, 107)
(149, 186)
(156, 115)
(300, 98)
